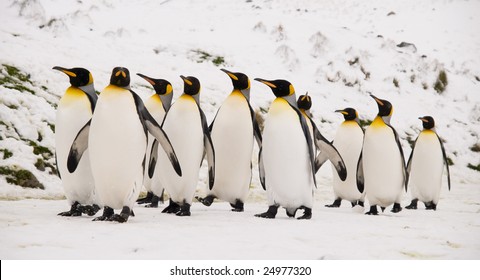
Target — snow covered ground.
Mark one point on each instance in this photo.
(338, 51)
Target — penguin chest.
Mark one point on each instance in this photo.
(382, 164)
(232, 136)
(117, 144)
(349, 142)
(286, 157)
(183, 126)
(426, 166)
(73, 112)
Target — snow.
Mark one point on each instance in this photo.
(338, 51)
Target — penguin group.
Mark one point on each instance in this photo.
(107, 150)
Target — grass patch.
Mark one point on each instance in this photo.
(20, 177)
(441, 82)
(364, 123)
(40, 150)
(474, 167)
(202, 56)
(12, 78)
(475, 148)
(395, 83)
(6, 153)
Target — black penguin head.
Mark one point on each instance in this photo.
(349, 114)
(120, 77)
(304, 102)
(240, 81)
(427, 122)
(280, 88)
(79, 77)
(385, 108)
(161, 86)
(191, 85)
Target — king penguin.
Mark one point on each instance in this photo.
(286, 158)
(425, 166)
(232, 132)
(186, 125)
(324, 149)
(74, 110)
(349, 142)
(117, 139)
(157, 105)
(381, 168)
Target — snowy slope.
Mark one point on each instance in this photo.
(338, 51)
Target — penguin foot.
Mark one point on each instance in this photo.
(335, 203)
(383, 209)
(413, 204)
(360, 203)
(430, 206)
(270, 214)
(184, 210)
(307, 213)
(172, 207)
(396, 208)
(146, 199)
(123, 216)
(373, 210)
(153, 202)
(238, 206)
(107, 213)
(291, 214)
(207, 201)
(90, 210)
(75, 210)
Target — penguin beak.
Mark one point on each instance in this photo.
(268, 83)
(187, 81)
(230, 74)
(423, 119)
(377, 100)
(148, 79)
(66, 71)
(342, 112)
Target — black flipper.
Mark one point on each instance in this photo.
(256, 129)
(209, 150)
(154, 128)
(360, 176)
(58, 169)
(79, 145)
(327, 148)
(308, 138)
(399, 145)
(409, 163)
(261, 169)
(444, 160)
(153, 158)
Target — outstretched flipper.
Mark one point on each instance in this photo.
(360, 176)
(209, 150)
(445, 160)
(80, 144)
(329, 152)
(261, 169)
(154, 128)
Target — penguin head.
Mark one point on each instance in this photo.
(304, 102)
(280, 88)
(191, 85)
(79, 77)
(161, 86)
(120, 77)
(427, 122)
(349, 114)
(385, 108)
(240, 81)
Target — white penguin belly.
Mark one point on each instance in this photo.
(73, 112)
(232, 137)
(426, 168)
(349, 142)
(183, 127)
(117, 144)
(382, 166)
(288, 175)
(155, 108)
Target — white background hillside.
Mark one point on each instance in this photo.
(338, 51)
